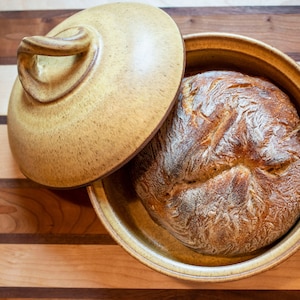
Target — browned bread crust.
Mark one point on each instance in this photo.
(223, 173)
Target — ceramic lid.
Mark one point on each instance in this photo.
(93, 92)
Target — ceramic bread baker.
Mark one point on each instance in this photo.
(167, 240)
(93, 93)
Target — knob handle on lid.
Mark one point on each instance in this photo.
(43, 73)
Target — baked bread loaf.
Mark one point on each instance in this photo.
(222, 175)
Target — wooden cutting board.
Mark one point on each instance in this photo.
(53, 246)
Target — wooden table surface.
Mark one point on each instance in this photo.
(53, 246)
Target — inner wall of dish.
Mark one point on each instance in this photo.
(218, 59)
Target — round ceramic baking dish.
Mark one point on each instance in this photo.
(127, 221)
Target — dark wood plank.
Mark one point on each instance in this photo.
(159, 294)
(58, 239)
(3, 120)
(277, 26)
(232, 10)
(15, 25)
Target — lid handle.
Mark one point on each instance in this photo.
(48, 79)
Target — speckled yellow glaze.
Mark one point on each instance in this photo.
(93, 92)
(126, 219)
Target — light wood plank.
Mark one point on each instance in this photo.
(8, 166)
(41, 211)
(96, 266)
(8, 75)
(74, 4)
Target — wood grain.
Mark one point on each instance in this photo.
(8, 167)
(42, 211)
(109, 266)
(141, 294)
(53, 245)
(271, 25)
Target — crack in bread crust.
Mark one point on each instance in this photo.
(223, 173)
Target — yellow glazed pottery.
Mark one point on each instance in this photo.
(126, 219)
(92, 92)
